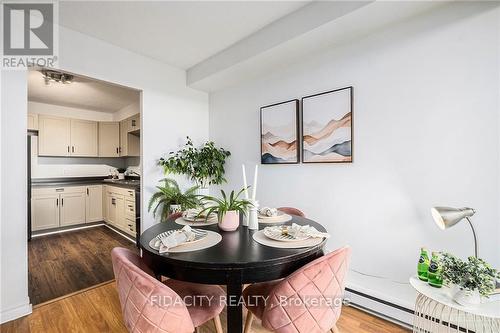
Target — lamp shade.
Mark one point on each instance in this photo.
(446, 217)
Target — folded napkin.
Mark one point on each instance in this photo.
(194, 213)
(176, 238)
(296, 230)
(267, 211)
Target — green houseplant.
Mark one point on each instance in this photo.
(204, 165)
(228, 209)
(170, 199)
(470, 279)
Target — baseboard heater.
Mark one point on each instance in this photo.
(394, 313)
(389, 311)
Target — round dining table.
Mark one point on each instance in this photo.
(236, 260)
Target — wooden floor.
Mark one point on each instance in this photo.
(98, 311)
(63, 263)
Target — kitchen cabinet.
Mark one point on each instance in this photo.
(54, 136)
(72, 208)
(32, 121)
(93, 204)
(59, 136)
(120, 209)
(83, 138)
(54, 207)
(44, 211)
(130, 137)
(134, 124)
(109, 139)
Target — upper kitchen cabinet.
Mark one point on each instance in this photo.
(109, 139)
(67, 137)
(54, 136)
(129, 136)
(32, 121)
(83, 138)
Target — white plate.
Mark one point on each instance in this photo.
(197, 219)
(198, 236)
(278, 215)
(276, 234)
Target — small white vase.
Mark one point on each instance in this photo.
(466, 297)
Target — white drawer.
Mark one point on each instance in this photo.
(59, 189)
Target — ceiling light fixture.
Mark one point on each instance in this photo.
(55, 76)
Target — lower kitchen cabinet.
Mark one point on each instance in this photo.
(54, 207)
(120, 208)
(93, 205)
(44, 211)
(72, 209)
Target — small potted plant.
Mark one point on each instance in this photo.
(170, 199)
(469, 279)
(228, 209)
(204, 165)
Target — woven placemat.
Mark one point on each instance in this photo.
(212, 239)
(260, 238)
(182, 221)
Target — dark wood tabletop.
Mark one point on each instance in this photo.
(236, 260)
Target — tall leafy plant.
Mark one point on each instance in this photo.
(204, 165)
(171, 194)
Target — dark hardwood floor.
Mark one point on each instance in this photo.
(63, 263)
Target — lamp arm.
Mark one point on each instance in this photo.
(474, 234)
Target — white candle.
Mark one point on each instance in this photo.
(245, 181)
(255, 181)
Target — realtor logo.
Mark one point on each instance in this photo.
(28, 29)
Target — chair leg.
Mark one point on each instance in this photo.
(218, 325)
(335, 329)
(248, 322)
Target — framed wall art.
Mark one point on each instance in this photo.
(279, 133)
(327, 133)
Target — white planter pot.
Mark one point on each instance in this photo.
(175, 209)
(466, 297)
(203, 191)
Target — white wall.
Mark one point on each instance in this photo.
(170, 111)
(69, 112)
(426, 132)
(14, 300)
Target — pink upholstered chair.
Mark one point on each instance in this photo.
(174, 216)
(292, 211)
(307, 301)
(151, 306)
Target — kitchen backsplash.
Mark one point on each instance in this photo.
(59, 167)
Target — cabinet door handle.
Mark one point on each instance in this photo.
(57, 202)
(68, 149)
(113, 201)
(133, 122)
(120, 149)
(87, 191)
(62, 201)
(73, 149)
(117, 150)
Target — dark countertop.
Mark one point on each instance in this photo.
(78, 181)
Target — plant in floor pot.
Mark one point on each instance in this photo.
(203, 165)
(469, 280)
(228, 209)
(171, 199)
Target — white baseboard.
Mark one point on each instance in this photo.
(392, 312)
(15, 313)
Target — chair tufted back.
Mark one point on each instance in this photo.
(309, 300)
(147, 304)
(292, 211)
